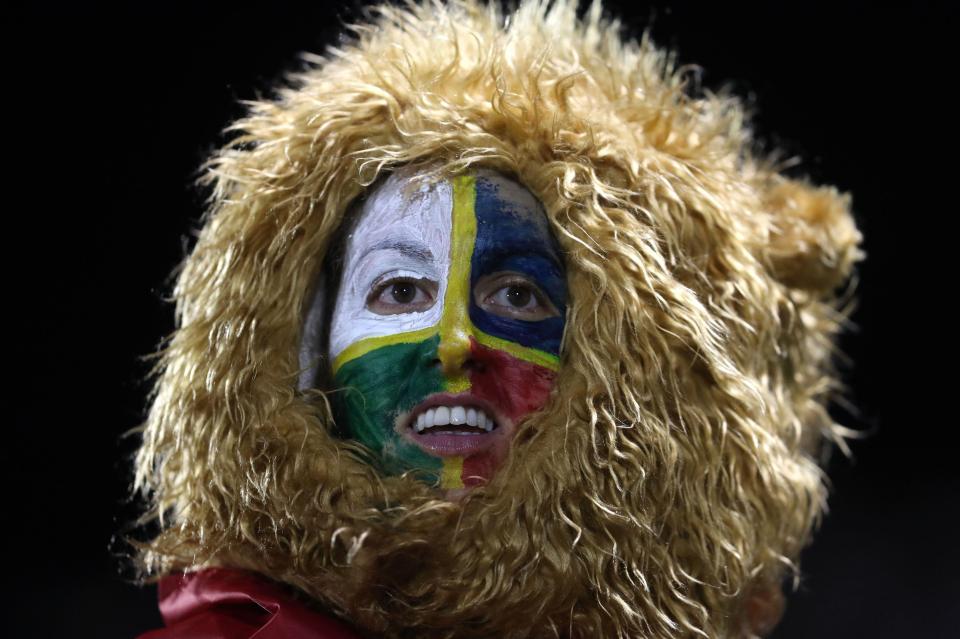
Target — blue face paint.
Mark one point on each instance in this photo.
(513, 236)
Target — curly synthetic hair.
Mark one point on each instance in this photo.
(673, 466)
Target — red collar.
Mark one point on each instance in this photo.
(219, 603)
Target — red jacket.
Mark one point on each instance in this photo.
(231, 604)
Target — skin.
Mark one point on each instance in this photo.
(452, 295)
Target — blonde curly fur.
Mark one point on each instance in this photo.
(672, 468)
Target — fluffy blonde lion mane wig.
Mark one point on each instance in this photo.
(672, 469)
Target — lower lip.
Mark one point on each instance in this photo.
(445, 445)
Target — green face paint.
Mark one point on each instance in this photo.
(446, 326)
(376, 389)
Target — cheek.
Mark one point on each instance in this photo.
(374, 388)
(516, 387)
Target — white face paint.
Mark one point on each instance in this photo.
(447, 324)
(402, 234)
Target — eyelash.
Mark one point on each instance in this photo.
(519, 283)
(542, 309)
(381, 287)
(543, 305)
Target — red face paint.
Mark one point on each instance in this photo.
(488, 295)
(516, 388)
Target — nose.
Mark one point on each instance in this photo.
(456, 331)
(454, 351)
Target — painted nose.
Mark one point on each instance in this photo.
(454, 351)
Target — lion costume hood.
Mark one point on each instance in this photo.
(672, 468)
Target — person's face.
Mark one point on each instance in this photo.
(447, 324)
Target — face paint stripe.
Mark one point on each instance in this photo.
(517, 388)
(373, 390)
(543, 335)
(477, 469)
(364, 346)
(467, 227)
(403, 230)
(458, 384)
(455, 325)
(532, 355)
(451, 476)
(513, 236)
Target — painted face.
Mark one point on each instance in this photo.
(447, 324)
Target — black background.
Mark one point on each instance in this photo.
(112, 108)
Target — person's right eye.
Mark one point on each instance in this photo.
(402, 295)
(514, 296)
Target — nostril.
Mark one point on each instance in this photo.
(474, 365)
(468, 364)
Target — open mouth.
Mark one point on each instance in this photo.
(453, 425)
(455, 420)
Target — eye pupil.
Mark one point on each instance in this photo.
(403, 292)
(518, 296)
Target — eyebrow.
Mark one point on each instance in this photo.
(407, 249)
(527, 249)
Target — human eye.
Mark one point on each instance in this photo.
(401, 294)
(514, 296)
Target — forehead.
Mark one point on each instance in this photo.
(510, 221)
(509, 204)
(414, 206)
(404, 207)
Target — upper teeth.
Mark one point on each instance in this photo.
(455, 415)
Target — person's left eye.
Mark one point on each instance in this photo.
(515, 297)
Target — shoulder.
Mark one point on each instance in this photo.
(220, 603)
